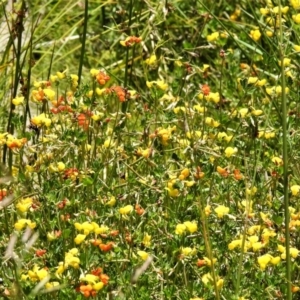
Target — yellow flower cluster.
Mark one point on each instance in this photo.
(187, 226)
(221, 211)
(159, 83)
(93, 280)
(41, 120)
(36, 274)
(266, 259)
(207, 279)
(22, 223)
(23, 205)
(71, 260)
(165, 134)
(211, 97)
(88, 228)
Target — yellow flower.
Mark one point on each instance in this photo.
(94, 72)
(180, 229)
(209, 262)
(264, 260)
(61, 75)
(221, 210)
(126, 210)
(143, 254)
(41, 120)
(294, 252)
(50, 94)
(51, 285)
(296, 48)
(18, 101)
(243, 112)
(284, 10)
(264, 11)
(100, 229)
(252, 80)
(90, 278)
(206, 278)
(24, 205)
(150, 84)
(229, 151)
(215, 97)
(111, 202)
(277, 161)
(212, 37)
(173, 192)
(151, 60)
(98, 286)
(286, 61)
(191, 226)
(184, 174)
(257, 246)
(79, 239)
(234, 244)
(295, 189)
(162, 85)
(207, 210)
(220, 283)
(147, 240)
(275, 260)
(211, 122)
(199, 109)
(87, 228)
(21, 223)
(255, 34)
(295, 4)
(253, 239)
(257, 112)
(97, 115)
(188, 251)
(296, 18)
(61, 166)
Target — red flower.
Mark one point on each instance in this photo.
(40, 252)
(106, 247)
(205, 89)
(3, 194)
(102, 78)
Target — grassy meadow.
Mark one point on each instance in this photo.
(150, 149)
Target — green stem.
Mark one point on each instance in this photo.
(285, 161)
(124, 104)
(85, 22)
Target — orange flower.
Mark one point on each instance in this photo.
(222, 171)
(120, 92)
(237, 174)
(205, 89)
(3, 194)
(96, 242)
(40, 252)
(102, 78)
(97, 271)
(201, 263)
(83, 121)
(139, 210)
(130, 41)
(199, 174)
(104, 278)
(114, 232)
(106, 247)
(71, 173)
(86, 290)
